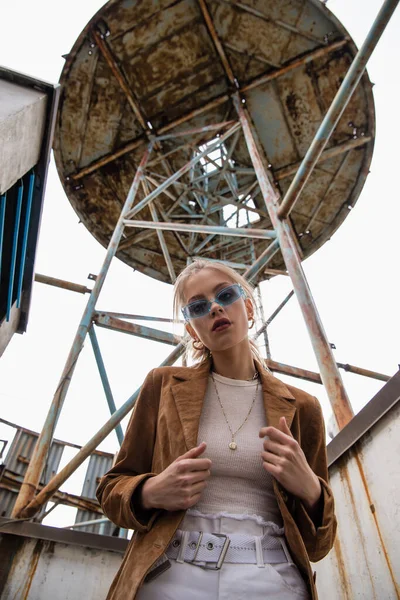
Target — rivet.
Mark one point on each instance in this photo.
(210, 546)
(176, 543)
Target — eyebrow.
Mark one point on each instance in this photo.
(201, 296)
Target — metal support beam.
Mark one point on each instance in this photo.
(329, 372)
(260, 80)
(262, 261)
(3, 202)
(120, 77)
(104, 380)
(274, 314)
(48, 491)
(247, 232)
(175, 176)
(336, 109)
(38, 460)
(148, 333)
(217, 43)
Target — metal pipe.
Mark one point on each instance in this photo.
(274, 314)
(14, 250)
(104, 380)
(3, 203)
(218, 229)
(160, 235)
(363, 372)
(163, 186)
(337, 107)
(84, 523)
(47, 492)
(148, 333)
(61, 283)
(25, 237)
(38, 460)
(293, 371)
(329, 372)
(262, 260)
(135, 317)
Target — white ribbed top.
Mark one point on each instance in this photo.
(238, 484)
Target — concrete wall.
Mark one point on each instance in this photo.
(22, 123)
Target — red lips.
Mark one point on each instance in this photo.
(219, 323)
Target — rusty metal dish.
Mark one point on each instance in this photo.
(152, 67)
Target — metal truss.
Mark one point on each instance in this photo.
(215, 190)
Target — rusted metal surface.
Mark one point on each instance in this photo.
(363, 372)
(329, 372)
(61, 283)
(337, 108)
(48, 570)
(48, 491)
(34, 470)
(10, 484)
(365, 560)
(147, 69)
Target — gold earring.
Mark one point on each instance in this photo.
(198, 342)
(252, 323)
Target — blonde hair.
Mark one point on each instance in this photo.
(197, 265)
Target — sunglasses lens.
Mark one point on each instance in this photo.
(229, 295)
(196, 309)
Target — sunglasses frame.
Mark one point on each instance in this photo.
(209, 303)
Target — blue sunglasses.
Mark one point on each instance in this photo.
(225, 297)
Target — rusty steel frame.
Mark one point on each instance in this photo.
(27, 504)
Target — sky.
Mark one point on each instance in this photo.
(353, 277)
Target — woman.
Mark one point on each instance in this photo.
(222, 473)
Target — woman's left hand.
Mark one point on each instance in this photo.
(285, 460)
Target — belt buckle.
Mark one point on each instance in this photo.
(222, 555)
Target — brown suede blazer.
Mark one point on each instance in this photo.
(163, 426)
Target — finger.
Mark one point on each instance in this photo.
(271, 458)
(274, 447)
(194, 452)
(197, 476)
(284, 427)
(198, 464)
(277, 436)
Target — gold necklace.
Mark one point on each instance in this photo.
(233, 445)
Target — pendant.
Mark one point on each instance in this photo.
(233, 445)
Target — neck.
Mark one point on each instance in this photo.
(236, 362)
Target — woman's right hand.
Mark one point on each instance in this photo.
(179, 486)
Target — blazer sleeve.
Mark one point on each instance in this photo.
(318, 538)
(119, 489)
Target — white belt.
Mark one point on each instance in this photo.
(217, 548)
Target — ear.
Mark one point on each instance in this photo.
(249, 308)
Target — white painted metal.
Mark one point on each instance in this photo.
(44, 570)
(365, 562)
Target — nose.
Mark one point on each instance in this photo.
(215, 307)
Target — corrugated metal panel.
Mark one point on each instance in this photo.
(98, 465)
(17, 460)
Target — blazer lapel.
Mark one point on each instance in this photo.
(188, 393)
(278, 400)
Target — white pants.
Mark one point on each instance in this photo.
(183, 581)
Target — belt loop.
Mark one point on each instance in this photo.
(286, 550)
(259, 552)
(183, 546)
